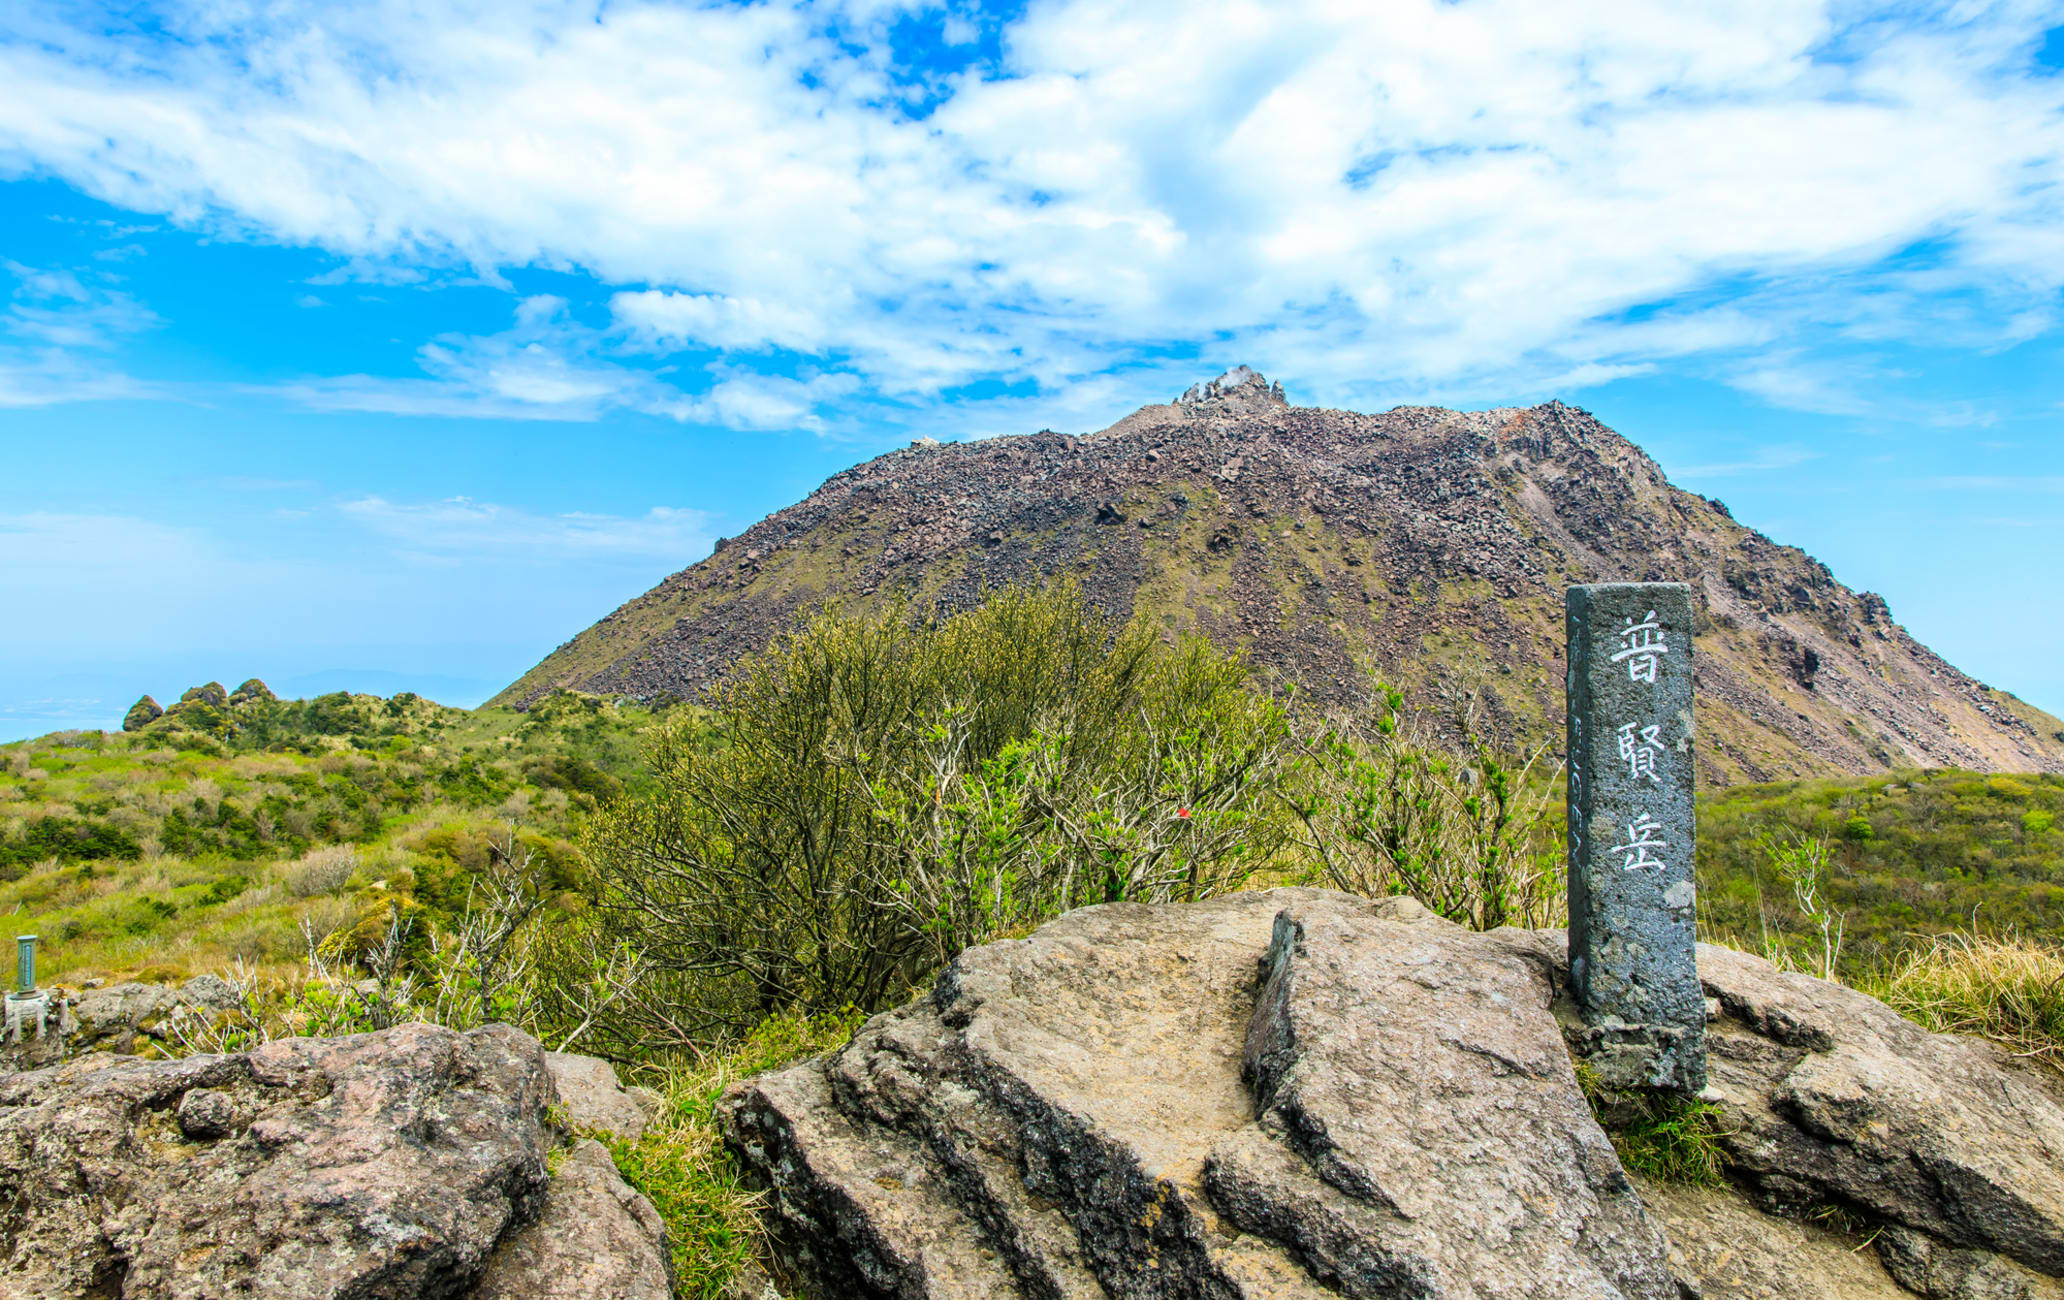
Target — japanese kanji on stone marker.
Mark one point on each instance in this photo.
(1632, 934)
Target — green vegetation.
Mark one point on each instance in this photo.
(880, 795)
(253, 831)
(1660, 1136)
(700, 893)
(2006, 988)
(1901, 858)
(1386, 809)
(679, 1164)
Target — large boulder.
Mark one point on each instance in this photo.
(1835, 1099)
(380, 1166)
(596, 1240)
(1299, 1093)
(1290, 1093)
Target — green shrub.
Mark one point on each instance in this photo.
(1386, 808)
(879, 794)
(1660, 1136)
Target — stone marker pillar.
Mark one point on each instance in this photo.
(1632, 941)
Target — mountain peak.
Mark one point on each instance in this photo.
(1433, 544)
(1242, 383)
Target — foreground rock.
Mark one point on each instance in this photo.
(1298, 1093)
(381, 1165)
(596, 1240)
(1835, 1099)
(123, 1018)
(402, 1165)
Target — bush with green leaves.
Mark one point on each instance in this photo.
(880, 792)
(1386, 807)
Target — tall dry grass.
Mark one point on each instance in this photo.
(2007, 988)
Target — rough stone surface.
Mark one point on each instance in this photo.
(1834, 1098)
(593, 1098)
(596, 1240)
(378, 1167)
(1725, 1249)
(1067, 1115)
(1632, 930)
(122, 1018)
(1436, 543)
(1296, 1093)
(1928, 1268)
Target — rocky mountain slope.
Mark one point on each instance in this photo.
(1433, 544)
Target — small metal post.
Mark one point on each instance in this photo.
(25, 962)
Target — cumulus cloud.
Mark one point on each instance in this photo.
(1423, 198)
(549, 366)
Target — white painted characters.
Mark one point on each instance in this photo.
(1643, 647)
(1642, 844)
(1639, 749)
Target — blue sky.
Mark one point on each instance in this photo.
(390, 345)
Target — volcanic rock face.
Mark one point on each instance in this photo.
(1297, 1093)
(1437, 543)
(400, 1165)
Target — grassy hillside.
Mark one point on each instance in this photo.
(1908, 855)
(221, 832)
(216, 834)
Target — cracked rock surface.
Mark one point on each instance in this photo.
(376, 1166)
(1297, 1093)
(408, 1164)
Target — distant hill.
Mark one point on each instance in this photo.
(1435, 544)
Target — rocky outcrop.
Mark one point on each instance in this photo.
(596, 1240)
(1300, 1093)
(411, 1164)
(1435, 544)
(595, 1101)
(383, 1166)
(1837, 1100)
(141, 714)
(251, 692)
(124, 1018)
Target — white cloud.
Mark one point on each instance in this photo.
(1414, 200)
(666, 321)
(53, 318)
(462, 527)
(548, 366)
